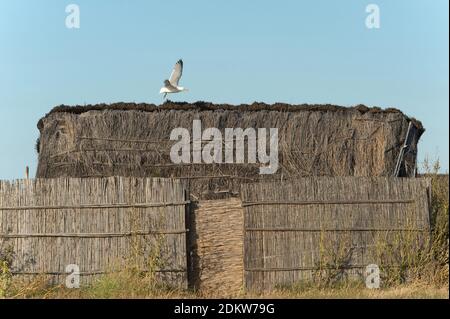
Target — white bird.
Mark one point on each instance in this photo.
(171, 85)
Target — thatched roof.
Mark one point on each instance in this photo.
(207, 106)
(131, 139)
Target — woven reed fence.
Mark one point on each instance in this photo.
(293, 230)
(99, 224)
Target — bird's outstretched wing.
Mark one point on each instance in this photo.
(176, 73)
(169, 85)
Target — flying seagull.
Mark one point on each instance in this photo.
(171, 85)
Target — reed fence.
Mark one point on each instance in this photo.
(295, 229)
(99, 224)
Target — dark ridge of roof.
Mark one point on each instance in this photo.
(208, 106)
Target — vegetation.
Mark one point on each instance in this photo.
(420, 262)
(131, 284)
(437, 259)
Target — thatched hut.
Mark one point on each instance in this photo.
(134, 140)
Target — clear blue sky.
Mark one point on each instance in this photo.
(313, 51)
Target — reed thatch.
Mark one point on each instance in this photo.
(133, 140)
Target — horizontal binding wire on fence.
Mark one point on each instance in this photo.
(97, 206)
(86, 273)
(121, 140)
(146, 141)
(256, 165)
(329, 202)
(215, 177)
(332, 230)
(98, 235)
(315, 268)
(195, 177)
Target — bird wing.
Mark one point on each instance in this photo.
(169, 85)
(177, 72)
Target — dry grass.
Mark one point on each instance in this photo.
(399, 292)
(126, 285)
(131, 283)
